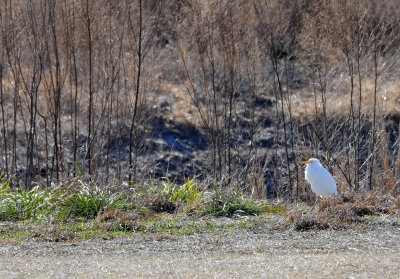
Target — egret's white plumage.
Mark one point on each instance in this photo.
(322, 182)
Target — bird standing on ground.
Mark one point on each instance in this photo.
(322, 182)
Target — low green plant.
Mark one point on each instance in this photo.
(4, 184)
(229, 203)
(176, 226)
(84, 201)
(167, 196)
(23, 204)
(186, 193)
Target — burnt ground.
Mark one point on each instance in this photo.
(273, 250)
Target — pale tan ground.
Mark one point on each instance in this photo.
(371, 251)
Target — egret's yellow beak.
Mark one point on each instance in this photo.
(304, 162)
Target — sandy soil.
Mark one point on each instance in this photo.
(369, 251)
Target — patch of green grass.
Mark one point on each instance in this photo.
(87, 202)
(4, 185)
(273, 209)
(14, 236)
(95, 230)
(166, 196)
(186, 193)
(370, 217)
(64, 202)
(90, 234)
(183, 227)
(396, 222)
(13, 233)
(80, 210)
(230, 204)
(247, 225)
(82, 201)
(176, 227)
(22, 204)
(91, 230)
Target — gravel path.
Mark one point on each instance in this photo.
(371, 251)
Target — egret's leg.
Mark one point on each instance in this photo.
(315, 203)
(312, 208)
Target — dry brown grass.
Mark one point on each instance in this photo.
(342, 212)
(182, 109)
(117, 220)
(306, 104)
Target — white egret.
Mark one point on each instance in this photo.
(322, 182)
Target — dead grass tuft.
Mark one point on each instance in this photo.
(160, 204)
(113, 214)
(119, 221)
(342, 212)
(304, 222)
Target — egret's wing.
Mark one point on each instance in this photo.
(322, 181)
(328, 176)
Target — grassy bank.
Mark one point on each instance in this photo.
(78, 210)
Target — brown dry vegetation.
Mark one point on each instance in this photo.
(86, 87)
(342, 212)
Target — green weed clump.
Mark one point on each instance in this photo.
(167, 196)
(220, 203)
(66, 201)
(22, 204)
(187, 192)
(84, 201)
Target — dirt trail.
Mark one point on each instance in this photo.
(371, 251)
